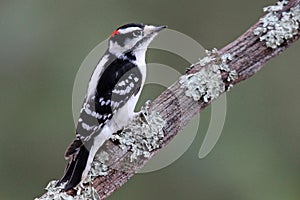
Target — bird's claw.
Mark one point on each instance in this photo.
(145, 111)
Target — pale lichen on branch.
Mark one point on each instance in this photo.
(56, 193)
(277, 28)
(143, 135)
(208, 83)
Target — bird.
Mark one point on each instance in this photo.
(112, 93)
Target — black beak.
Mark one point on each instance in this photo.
(159, 28)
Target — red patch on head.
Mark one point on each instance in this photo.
(116, 32)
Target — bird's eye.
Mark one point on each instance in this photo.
(136, 33)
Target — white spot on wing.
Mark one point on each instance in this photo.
(90, 112)
(87, 127)
(122, 83)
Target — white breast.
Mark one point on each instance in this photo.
(140, 62)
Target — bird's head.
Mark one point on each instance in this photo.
(132, 37)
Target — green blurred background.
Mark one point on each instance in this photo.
(43, 43)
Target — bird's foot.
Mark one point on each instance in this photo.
(144, 113)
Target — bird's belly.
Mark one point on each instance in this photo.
(124, 114)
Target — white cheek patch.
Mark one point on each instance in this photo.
(145, 43)
(114, 45)
(115, 48)
(129, 43)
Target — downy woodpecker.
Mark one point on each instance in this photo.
(112, 94)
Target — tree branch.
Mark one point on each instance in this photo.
(248, 53)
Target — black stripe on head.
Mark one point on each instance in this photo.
(132, 25)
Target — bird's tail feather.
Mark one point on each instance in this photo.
(75, 169)
(68, 173)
